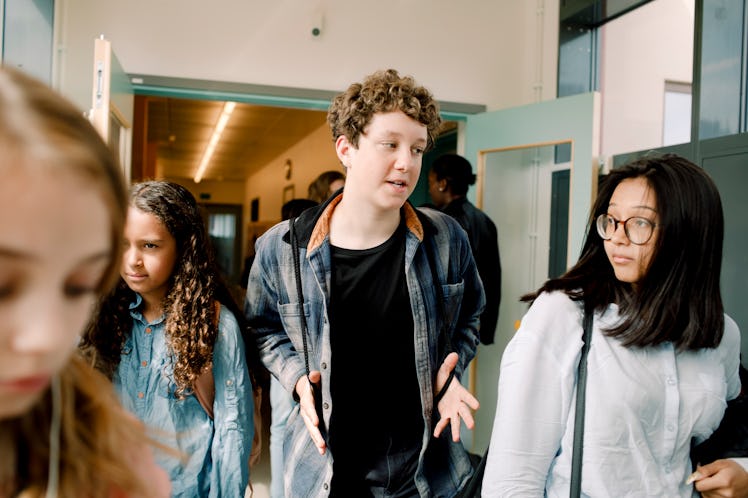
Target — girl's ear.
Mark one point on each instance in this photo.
(343, 148)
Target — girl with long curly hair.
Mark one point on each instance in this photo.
(62, 208)
(162, 330)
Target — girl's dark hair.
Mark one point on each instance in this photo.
(188, 305)
(456, 170)
(678, 300)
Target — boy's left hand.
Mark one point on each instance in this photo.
(457, 402)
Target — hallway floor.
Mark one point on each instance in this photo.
(260, 473)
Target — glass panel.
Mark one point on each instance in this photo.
(523, 179)
(222, 225)
(27, 37)
(222, 232)
(639, 54)
(721, 56)
(597, 12)
(676, 127)
(577, 66)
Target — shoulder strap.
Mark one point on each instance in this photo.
(300, 293)
(576, 456)
(205, 386)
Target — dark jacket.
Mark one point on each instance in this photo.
(484, 241)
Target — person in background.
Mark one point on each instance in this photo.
(62, 209)
(295, 207)
(281, 402)
(391, 299)
(449, 179)
(169, 325)
(663, 356)
(325, 185)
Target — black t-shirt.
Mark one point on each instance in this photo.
(374, 387)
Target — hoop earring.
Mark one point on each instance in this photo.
(53, 480)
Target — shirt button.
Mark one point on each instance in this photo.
(671, 381)
(147, 330)
(143, 363)
(667, 468)
(324, 366)
(229, 382)
(140, 395)
(670, 427)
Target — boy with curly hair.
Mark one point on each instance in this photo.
(391, 302)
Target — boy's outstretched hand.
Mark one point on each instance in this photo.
(308, 410)
(456, 404)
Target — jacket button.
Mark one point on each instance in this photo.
(325, 486)
(325, 406)
(324, 365)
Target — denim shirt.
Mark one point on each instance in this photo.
(216, 451)
(272, 307)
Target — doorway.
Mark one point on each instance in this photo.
(224, 222)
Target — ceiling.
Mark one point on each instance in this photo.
(254, 135)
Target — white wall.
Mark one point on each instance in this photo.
(477, 51)
(310, 157)
(220, 192)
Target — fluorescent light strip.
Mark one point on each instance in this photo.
(228, 108)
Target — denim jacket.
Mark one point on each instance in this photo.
(216, 451)
(272, 307)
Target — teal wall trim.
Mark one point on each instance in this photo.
(278, 96)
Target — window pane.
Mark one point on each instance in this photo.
(720, 68)
(639, 54)
(27, 42)
(677, 119)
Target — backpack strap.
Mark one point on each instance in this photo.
(575, 488)
(299, 292)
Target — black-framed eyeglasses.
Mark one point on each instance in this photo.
(638, 230)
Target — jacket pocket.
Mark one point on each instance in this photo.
(290, 315)
(452, 295)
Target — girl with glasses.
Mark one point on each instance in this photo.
(663, 356)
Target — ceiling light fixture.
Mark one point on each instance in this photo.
(228, 108)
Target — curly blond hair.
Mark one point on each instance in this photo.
(382, 91)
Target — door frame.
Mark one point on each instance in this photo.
(574, 119)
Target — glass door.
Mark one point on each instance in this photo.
(517, 153)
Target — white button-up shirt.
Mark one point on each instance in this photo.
(643, 408)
